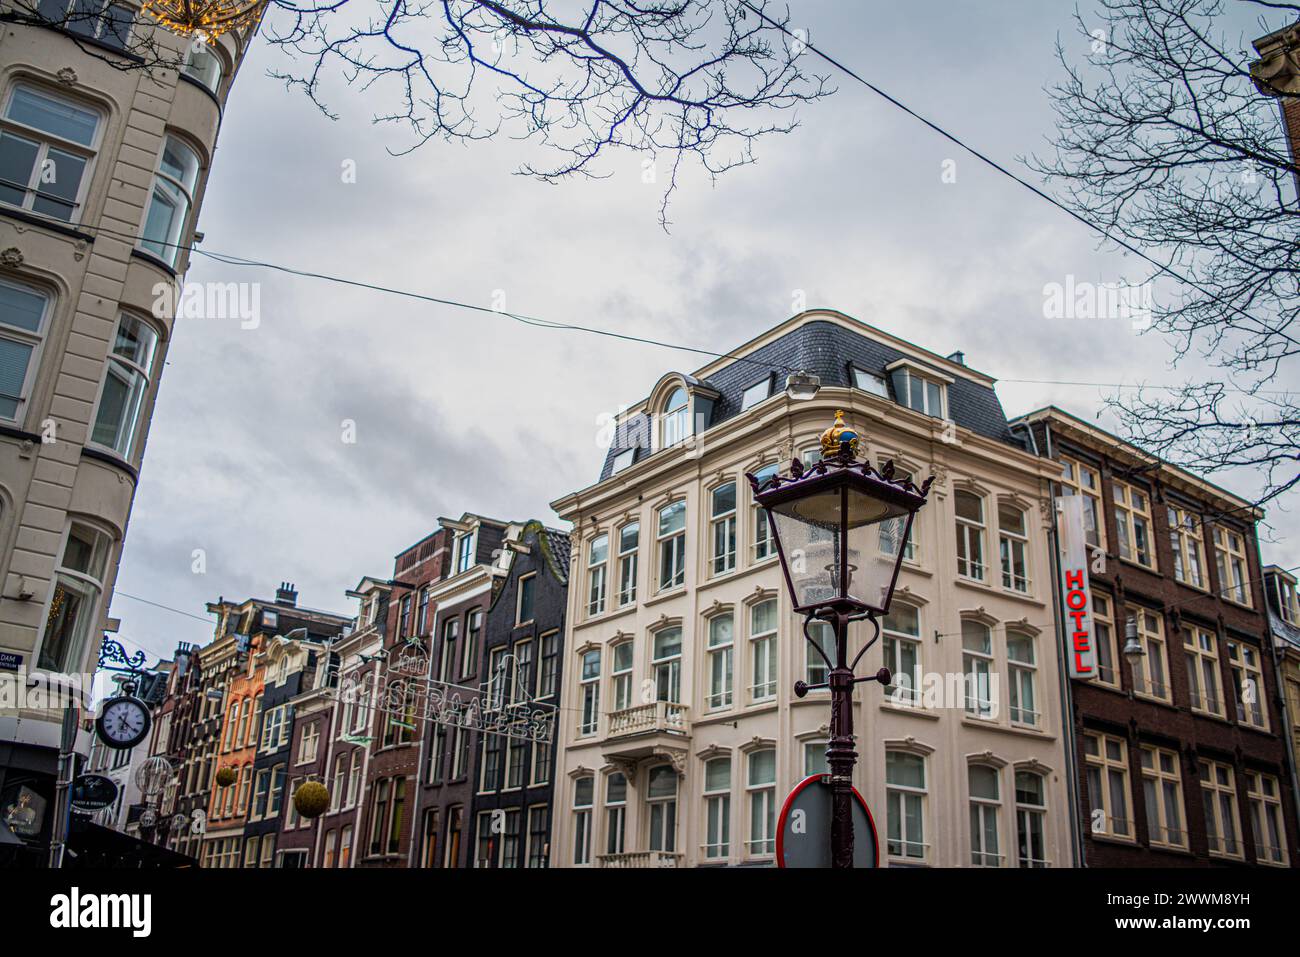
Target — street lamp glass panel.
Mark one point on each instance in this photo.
(809, 530)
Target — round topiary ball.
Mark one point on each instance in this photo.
(226, 777)
(311, 799)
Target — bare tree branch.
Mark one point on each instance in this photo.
(694, 79)
(1165, 141)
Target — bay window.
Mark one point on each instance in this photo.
(73, 615)
(170, 200)
(126, 383)
(203, 66)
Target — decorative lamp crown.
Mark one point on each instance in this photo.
(205, 19)
(839, 438)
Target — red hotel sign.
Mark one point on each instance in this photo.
(1081, 642)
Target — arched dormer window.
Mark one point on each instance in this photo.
(675, 419)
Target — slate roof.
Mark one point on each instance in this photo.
(827, 350)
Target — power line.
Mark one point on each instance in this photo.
(146, 601)
(1137, 251)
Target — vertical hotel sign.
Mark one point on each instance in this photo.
(1076, 595)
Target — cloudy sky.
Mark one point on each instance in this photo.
(459, 411)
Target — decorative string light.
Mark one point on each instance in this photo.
(207, 19)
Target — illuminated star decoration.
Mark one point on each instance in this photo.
(205, 19)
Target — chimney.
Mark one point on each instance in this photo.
(1275, 74)
(286, 594)
(958, 357)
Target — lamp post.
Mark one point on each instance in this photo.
(840, 527)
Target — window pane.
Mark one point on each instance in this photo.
(21, 308)
(672, 518)
(54, 116)
(14, 358)
(17, 161)
(762, 768)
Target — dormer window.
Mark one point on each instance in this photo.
(869, 382)
(1282, 597)
(622, 460)
(464, 552)
(675, 422)
(756, 393)
(920, 389)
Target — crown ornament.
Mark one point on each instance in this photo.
(840, 439)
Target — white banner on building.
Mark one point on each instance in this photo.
(1076, 594)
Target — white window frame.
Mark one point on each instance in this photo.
(47, 140)
(722, 525)
(1156, 785)
(1129, 517)
(763, 659)
(971, 538)
(627, 563)
(34, 339)
(676, 542)
(597, 576)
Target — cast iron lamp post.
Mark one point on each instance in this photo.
(840, 527)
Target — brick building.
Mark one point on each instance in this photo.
(1180, 750)
(514, 780)
(393, 768)
(458, 603)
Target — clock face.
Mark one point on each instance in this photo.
(123, 723)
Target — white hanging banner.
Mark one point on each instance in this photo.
(1076, 593)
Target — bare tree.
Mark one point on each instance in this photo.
(698, 80)
(1166, 141)
(701, 79)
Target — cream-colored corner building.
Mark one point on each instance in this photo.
(102, 172)
(681, 735)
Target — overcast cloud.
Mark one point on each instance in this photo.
(457, 411)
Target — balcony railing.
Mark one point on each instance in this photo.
(640, 859)
(666, 716)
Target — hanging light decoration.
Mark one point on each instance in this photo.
(206, 19)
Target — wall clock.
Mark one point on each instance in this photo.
(123, 722)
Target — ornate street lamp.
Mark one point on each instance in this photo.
(840, 528)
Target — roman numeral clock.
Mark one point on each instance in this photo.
(124, 721)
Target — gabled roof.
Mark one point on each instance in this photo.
(827, 345)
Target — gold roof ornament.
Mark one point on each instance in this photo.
(839, 438)
(205, 19)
